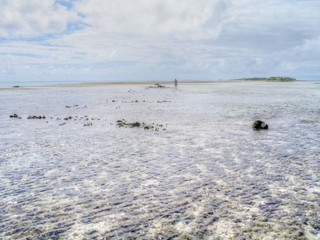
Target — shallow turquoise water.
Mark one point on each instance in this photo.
(208, 175)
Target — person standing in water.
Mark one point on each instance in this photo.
(175, 83)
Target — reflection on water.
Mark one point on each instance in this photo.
(209, 175)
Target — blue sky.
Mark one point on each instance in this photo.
(125, 40)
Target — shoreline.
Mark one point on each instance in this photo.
(93, 84)
(140, 83)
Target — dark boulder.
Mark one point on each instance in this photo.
(259, 125)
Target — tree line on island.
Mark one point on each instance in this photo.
(273, 79)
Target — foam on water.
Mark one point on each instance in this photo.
(208, 175)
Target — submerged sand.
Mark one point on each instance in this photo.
(208, 175)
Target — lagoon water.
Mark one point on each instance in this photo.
(205, 174)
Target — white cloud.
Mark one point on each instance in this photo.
(33, 18)
(308, 50)
(155, 18)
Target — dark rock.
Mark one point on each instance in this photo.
(121, 123)
(124, 123)
(74, 106)
(258, 125)
(36, 117)
(16, 86)
(88, 124)
(159, 85)
(136, 124)
(14, 116)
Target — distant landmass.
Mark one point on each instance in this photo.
(273, 79)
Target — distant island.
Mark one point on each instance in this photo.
(272, 79)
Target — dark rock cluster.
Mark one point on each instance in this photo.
(29, 117)
(124, 123)
(158, 85)
(74, 106)
(141, 101)
(15, 116)
(87, 121)
(88, 124)
(36, 117)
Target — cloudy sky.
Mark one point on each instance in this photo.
(126, 40)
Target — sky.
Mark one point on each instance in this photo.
(126, 40)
